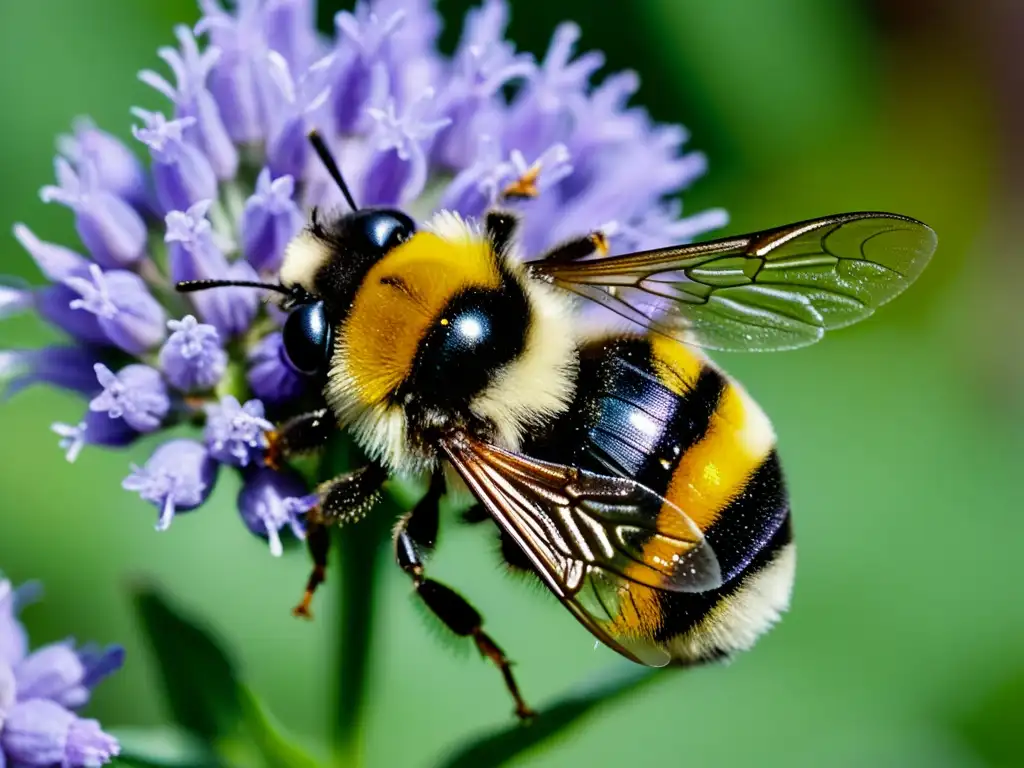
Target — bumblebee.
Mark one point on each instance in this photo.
(623, 468)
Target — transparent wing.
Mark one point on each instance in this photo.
(606, 546)
(772, 290)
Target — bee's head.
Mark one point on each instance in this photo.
(322, 269)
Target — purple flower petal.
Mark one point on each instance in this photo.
(178, 477)
(484, 63)
(290, 29)
(8, 694)
(14, 298)
(136, 394)
(53, 303)
(192, 358)
(42, 733)
(181, 172)
(665, 225)
(398, 173)
(193, 100)
(240, 81)
(542, 112)
(271, 377)
(195, 255)
(111, 229)
(100, 663)
(269, 501)
(236, 433)
(13, 638)
(270, 221)
(363, 74)
(55, 261)
(53, 672)
(130, 317)
(68, 368)
(118, 170)
(96, 428)
(295, 109)
(477, 187)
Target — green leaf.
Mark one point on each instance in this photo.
(991, 725)
(199, 680)
(500, 746)
(164, 746)
(276, 750)
(206, 696)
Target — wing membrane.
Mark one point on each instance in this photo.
(604, 545)
(777, 289)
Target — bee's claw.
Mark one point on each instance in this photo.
(272, 457)
(302, 610)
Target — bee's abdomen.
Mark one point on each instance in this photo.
(656, 411)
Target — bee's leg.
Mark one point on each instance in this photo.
(500, 227)
(346, 498)
(301, 434)
(578, 248)
(448, 605)
(419, 525)
(318, 541)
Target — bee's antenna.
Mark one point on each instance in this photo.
(327, 159)
(191, 286)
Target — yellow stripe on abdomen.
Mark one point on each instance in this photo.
(716, 469)
(639, 612)
(676, 365)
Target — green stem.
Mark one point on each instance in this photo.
(354, 563)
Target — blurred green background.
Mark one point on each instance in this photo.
(902, 437)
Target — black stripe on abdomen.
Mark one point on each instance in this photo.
(745, 537)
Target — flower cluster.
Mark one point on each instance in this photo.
(41, 692)
(231, 179)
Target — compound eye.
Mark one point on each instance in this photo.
(307, 338)
(384, 229)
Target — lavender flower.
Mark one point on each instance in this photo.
(271, 377)
(95, 428)
(117, 169)
(177, 478)
(41, 691)
(181, 172)
(192, 358)
(234, 179)
(126, 312)
(15, 299)
(196, 253)
(68, 368)
(271, 500)
(271, 220)
(55, 261)
(111, 229)
(236, 433)
(192, 100)
(136, 393)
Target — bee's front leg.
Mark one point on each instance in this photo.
(304, 433)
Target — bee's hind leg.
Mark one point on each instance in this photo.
(346, 498)
(415, 535)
